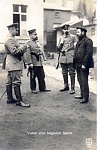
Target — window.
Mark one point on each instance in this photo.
(92, 31)
(15, 8)
(20, 17)
(23, 18)
(23, 8)
(57, 14)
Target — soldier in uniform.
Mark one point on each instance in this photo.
(33, 58)
(66, 49)
(14, 64)
(83, 60)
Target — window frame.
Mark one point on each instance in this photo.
(57, 14)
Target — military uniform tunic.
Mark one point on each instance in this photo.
(68, 44)
(66, 57)
(14, 63)
(35, 55)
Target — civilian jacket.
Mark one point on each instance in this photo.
(83, 54)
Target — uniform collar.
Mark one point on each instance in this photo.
(67, 35)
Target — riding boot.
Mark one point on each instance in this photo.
(72, 84)
(19, 97)
(66, 86)
(10, 99)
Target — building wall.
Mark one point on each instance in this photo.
(50, 19)
(92, 33)
(35, 17)
(57, 4)
(92, 28)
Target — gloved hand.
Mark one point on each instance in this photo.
(27, 66)
(83, 67)
(31, 65)
(25, 47)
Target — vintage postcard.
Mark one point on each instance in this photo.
(48, 74)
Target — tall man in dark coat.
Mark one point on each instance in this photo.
(14, 64)
(83, 60)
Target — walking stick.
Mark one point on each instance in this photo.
(58, 61)
(2, 94)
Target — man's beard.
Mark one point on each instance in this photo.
(36, 38)
(66, 33)
(80, 37)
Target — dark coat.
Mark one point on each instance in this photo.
(83, 54)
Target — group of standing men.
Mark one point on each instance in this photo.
(75, 54)
(31, 54)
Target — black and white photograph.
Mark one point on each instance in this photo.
(48, 74)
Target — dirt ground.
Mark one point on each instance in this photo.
(55, 121)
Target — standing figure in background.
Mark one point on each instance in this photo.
(66, 50)
(34, 58)
(83, 60)
(14, 64)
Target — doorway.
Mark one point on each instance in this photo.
(51, 41)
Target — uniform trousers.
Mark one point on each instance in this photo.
(82, 77)
(14, 78)
(68, 68)
(37, 71)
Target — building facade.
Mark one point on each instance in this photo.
(91, 13)
(92, 27)
(45, 16)
(55, 13)
(28, 15)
